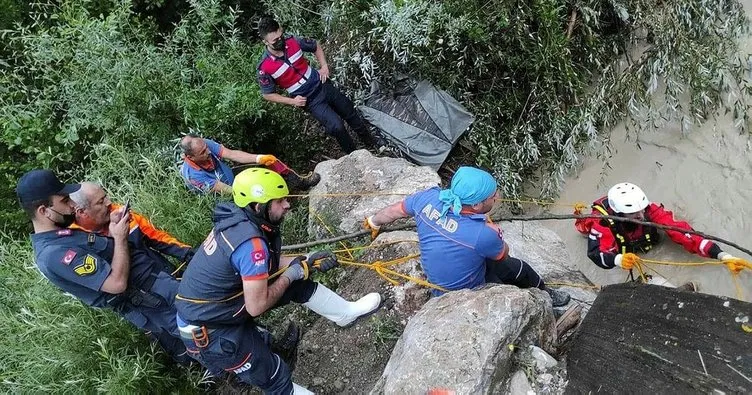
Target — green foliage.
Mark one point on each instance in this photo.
(99, 91)
(53, 344)
(546, 79)
(386, 329)
(76, 77)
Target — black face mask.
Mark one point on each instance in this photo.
(279, 45)
(68, 219)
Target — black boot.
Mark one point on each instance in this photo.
(287, 346)
(558, 298)
(296, 183)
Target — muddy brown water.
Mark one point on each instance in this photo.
(704, 177)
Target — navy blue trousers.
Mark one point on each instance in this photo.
(246, 351)
(159, 321)
(513, 271)
(329, 106)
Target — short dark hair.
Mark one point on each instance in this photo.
(267, 25)
(30, 208)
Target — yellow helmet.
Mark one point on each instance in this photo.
(258, 185)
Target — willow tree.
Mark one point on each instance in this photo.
(547, 79)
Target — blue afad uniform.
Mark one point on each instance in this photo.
(202, 179)
(78, 262)
(211, 309)
(325, 102)
(463, 251)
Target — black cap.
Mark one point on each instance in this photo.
(41, 184)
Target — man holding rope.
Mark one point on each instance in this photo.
(460, 247)
(614, 243)
(235, 276)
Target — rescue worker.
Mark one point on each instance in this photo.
(98, 270)
(609, 241)
(460, 247)
(283, 66)
(93, 208)
(203, 169)
(231, 280)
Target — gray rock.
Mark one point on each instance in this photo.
(460, 340)
(519, 385)
(545, 378)
(408, 297)
(317, 381)
(543, 361)
(544, 250)
(361, 172)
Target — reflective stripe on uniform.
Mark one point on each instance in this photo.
(294, 87)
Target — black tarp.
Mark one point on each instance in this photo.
(423, 123)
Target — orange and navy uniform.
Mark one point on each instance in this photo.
(145, 237)
(606, 240)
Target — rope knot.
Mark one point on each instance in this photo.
(630, 260)
(736, 265)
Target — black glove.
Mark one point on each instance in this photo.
(322, 260)
(297, 270)
(188, 255)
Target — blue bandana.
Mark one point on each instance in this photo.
(469, 186)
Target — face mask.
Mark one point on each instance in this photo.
(68, 219)
(279, 45)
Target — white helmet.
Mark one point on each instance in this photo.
(627, 198)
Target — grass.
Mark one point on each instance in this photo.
(52, 343)
(385, 330)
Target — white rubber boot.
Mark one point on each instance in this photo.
(333, 307)
(298, 390)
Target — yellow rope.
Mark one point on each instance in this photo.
(365, 247)
(577, 205)
(575, 285)
(332, 233)
(735, 268)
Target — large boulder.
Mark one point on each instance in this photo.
(382, 181)
(648, 339)
(544, 250)
(464, 341)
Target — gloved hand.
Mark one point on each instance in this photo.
(297, 270)
(626, 261)
(732, 263)
(322, 260)
(188, 255)
(266, 160)
(579, 208)
(369, 225)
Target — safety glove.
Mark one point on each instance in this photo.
(322, 260)
(736, 265)
(626, 261)
(369, 225)
(297, 270)
(266, 160)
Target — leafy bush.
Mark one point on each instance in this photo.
(77, 77)
(547, 79)
(54, 344)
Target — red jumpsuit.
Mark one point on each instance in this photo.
(607, 239)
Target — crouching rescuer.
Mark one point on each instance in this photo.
(230, 280)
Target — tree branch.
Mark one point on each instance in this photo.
(525, 218)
